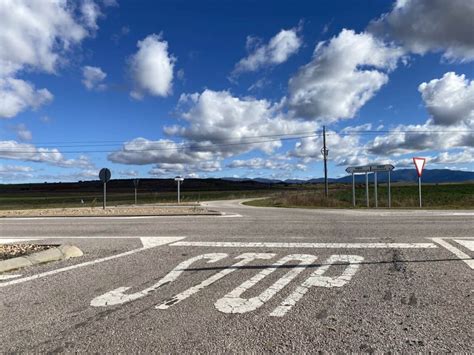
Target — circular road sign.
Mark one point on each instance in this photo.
(136, 182)
(105, 175)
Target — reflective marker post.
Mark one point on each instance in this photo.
(179, 180)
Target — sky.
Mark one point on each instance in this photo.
(156, 89)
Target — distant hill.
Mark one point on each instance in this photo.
(401, 175)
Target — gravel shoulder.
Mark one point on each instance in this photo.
(111, 211)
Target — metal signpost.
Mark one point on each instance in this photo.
(373, 168)
(105, 176)
(135, 183)
(419, 165)
(179, 180)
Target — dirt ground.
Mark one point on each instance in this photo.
(109, 211)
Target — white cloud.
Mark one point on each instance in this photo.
(128, 173)
(431, 26)
(344, 74)
(17, 95)
(226, 125)
(141, 151)
(283, 45)
(152, 68)
(187, 170)
(23, 133)
(29, 152)
(15, 172)
(92, 78)
(449, 100)
(35, 36)
(260, 163)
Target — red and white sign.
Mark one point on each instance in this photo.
(420, 165)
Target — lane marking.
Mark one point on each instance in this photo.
(460, 254)
(234, 303)
(468, 244)
(306, 245)
(317, 279)
(246, 258)
(118, 295)
(8, 277)
(232, 215)
(147, 244)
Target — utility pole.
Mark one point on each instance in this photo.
(324, 152)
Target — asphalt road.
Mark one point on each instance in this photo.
(253, 280)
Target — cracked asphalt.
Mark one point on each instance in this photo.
(252, 280)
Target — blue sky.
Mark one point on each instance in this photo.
(232, 88)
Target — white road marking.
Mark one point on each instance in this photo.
(246, 258)
(15, 240)
(460, 254)
(316, 279)
(233, 303)
(118, 295)
(469, 244)
(305, 245)
(8, 277)
(164, 240)
(231, 215)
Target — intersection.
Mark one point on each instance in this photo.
(253, 279)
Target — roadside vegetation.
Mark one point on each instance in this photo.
(403, 196)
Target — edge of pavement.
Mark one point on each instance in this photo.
(62, 252)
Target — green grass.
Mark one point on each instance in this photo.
(450, 196)
(30, 200)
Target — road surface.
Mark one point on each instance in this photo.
(252, 280)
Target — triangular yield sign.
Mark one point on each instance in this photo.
(420, 165)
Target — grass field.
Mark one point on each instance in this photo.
(308, 195)
(403, 196)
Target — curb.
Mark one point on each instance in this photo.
(213, 213)
(63, 252)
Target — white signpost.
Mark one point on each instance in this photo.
(179, 180)
(419, 165)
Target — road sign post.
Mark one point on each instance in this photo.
(373, 168)
(179, 180)
(135, 184)
(419, 165)
(104, 176)
(353, 191)
(389, 191)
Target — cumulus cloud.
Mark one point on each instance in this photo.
(344, 74)
(431, 26)
(152, 68)
(280, 47)
(23, 133)
(141, 151)
(92, 78)
(15, 172)
(449, 100)
(35, 36)
(17, 95)
(29, 152)
(226, 125)
(260, 163)
(190, 170)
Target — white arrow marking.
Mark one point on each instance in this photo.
(157, 241)
(118, 296)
